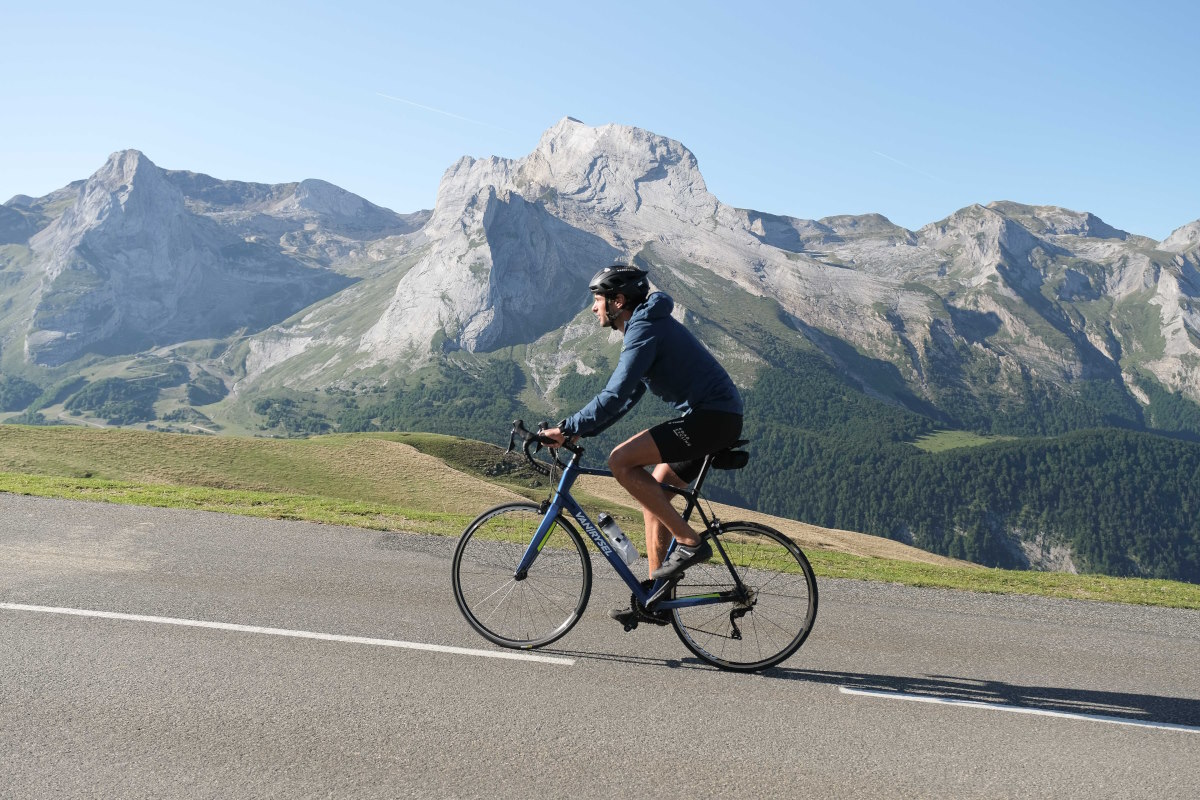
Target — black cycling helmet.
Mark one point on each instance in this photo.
(621, 279)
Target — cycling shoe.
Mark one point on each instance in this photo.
(681, 558)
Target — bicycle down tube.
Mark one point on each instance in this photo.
(563, 501)
(758, 572)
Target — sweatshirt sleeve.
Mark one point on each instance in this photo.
(623, 390)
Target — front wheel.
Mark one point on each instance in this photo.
(775, 607)
(524, 611)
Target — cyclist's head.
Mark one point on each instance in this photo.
(621, 279)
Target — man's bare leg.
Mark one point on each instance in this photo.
(658, 538)
(627, 463)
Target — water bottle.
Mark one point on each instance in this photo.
(619, 541)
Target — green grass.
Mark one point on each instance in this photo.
(369, 469)
(939, 441)
(1062, 585)
(270, 505)
(434, 485)
(1139, 323)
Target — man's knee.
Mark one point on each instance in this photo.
(622, 458)
(639, 451)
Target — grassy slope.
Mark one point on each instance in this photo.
(940, 441)
(436, 484)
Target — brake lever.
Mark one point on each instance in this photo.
(530, 439)
(537, 437)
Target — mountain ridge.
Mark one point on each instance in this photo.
(142, 292)
(506, 230)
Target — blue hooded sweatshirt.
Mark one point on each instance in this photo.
(662, 355)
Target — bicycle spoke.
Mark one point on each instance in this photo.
(551, 594)
(549, 600)
(779, 607)
(503, 600)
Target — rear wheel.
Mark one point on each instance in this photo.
(524, 611)
(776, 602)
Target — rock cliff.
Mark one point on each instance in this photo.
(127, 265)
(1026, 295)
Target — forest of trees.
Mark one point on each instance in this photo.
(475, 405)
(126, 401)
(16, 393)
(1125, 501)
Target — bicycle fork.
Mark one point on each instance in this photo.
(549, 512)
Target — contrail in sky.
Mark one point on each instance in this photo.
(908, 166)
(443, 113)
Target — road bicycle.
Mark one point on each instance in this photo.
(522, 575)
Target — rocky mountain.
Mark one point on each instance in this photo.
(144, 294)
(311, 285)
(1025, 295)
(137, 257)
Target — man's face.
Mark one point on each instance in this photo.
(600, 309)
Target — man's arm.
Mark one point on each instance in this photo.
(623, 389)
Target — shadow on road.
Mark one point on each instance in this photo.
(1132, 706)
(1141, 707)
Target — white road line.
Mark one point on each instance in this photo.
(920, 698)
(325, 637)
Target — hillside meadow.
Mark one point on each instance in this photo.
(432, 484)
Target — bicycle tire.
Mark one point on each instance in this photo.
(537, 609)
(775, 618)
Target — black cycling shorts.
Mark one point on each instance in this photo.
(684, 442)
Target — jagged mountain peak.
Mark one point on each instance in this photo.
(504, 230)
(125, 174)
(128, 263)
(1183, 238)
(124, 164)
(1017, 228)
(321, 197)
(968, 223)
(127, 195)
(584, 171)
(570, 142)
(585, 162)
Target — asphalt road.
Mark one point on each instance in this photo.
(113, 707)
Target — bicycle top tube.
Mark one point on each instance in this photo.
(563, 502)
(573, 469)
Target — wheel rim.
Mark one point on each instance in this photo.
(528, 612)
(775, 615)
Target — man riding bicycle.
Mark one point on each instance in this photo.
(660, 354)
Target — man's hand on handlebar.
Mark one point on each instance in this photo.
(535, 441)
(556, 437)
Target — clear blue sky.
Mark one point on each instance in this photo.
(911, 110)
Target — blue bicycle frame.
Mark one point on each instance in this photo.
(563, 501)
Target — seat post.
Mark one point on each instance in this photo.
(708, 462)
(708, 459)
